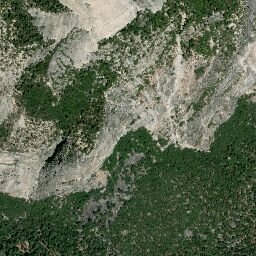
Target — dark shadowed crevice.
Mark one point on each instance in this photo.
(57, 155)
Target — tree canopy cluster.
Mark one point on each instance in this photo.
(22, 31)
(81, 105)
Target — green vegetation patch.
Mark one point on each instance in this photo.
(49, 6)
(48, 227)
(81, 106)
(4, 132)
(199, 9)
(213, 19)
(199, 72)
(196, 11)
(22, 31)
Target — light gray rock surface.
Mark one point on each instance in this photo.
(164, 107)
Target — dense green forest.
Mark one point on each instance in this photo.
(4, 132)
(21, 29)
(48, 6)
(210, 197)
(182, 202)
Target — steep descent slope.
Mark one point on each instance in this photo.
(177, 72)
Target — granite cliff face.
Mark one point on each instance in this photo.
(163, 82)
